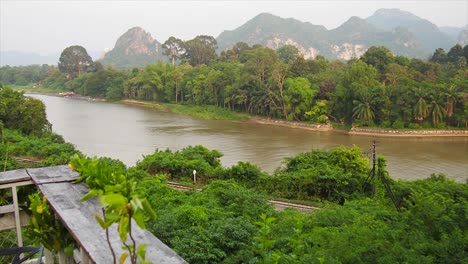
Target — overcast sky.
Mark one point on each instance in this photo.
(47, 27)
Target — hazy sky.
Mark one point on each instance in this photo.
(47, 27)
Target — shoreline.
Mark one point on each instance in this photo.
(375, 132)
(358, 131)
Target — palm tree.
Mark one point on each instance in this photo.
(363, 110)
(421, 109)
(451, 94)
(437, 113)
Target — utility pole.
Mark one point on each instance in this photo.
(381, 175)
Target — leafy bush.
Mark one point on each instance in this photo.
(23, 113)
(46, 150)
(181, 164)
(414, 126)
(334, 175)
(398, 124)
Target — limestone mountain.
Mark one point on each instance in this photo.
(349, 40)
(274, 32)
(354, 36)
(428, 33)
(134, 48)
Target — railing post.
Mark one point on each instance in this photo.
(19, 235)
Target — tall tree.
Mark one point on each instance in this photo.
(173, 48)
(379, 57)
(235, 52)
(455, 53)
(288, 53)
(179, 74)
(200, 50)
(75, 60)
(439, 56)
(278, 75)
(299, 96)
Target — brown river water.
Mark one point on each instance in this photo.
(128, 132)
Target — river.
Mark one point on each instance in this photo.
(128, 132)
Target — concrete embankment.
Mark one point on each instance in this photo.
(407, 132)
(291, 124)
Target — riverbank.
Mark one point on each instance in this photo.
(382, 132)
(214, 113)
(375, 132)
(203, 112)
(69, 95)
(291, 124)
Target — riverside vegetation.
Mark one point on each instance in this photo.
(377, 90)
(230, 221)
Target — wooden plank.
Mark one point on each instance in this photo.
(79, 219)
(7, 220)
(10, 208)
(60, 173)
(20, 183)
(13, 176)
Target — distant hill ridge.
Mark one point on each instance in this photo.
(402, 32)
(351, 39)
(428, 33)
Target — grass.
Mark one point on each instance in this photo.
(32, 88)
(201, 111)
(340, 126)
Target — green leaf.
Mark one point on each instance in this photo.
(139, 218)
(123, 257)
(100, 221)
(113, 200)
(112, 217)
(148, 210)
(141, 251)
(123, 228)
(68, 250)
(89, 195)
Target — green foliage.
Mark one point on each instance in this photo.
(47, 150)
(379, 57)
(119, 201)
(108, 83)
(24, 75)
(298, 96)
(180, 164)
(45, 229)
(200, 50)
(215, 225)
(245, 173)
(336, 175)
(23, 113)
(318, 113)
(74, 61)
(288, 53)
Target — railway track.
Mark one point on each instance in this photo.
(279, 205)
